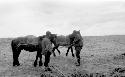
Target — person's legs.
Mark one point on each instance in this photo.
(40, 61)
(37, 56)
(47, 60)
(78, 49)
(78, 57)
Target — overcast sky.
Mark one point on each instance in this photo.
(35, 17)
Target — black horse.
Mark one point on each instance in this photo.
(28, 44)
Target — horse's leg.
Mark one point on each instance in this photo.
(56, 47)
(14, 51)
(40, 62)
(16, 54)
(47, 60)
(72, 52)
(58, 50)
(14, 58)
(54, 52)
(68, 51)
(35, 62)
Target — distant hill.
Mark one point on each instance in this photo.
(30, 36)
(108, 38)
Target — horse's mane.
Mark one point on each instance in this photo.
(40, 38)
(54, 35)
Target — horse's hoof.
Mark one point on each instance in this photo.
(35, 64)
(66, 54)
(77, 64)
(16, 64)
(54, 55)
(47, 69)
(73, 55)
(40, 64)
(59, 53)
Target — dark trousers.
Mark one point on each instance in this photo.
(47, 58)
(78, 49)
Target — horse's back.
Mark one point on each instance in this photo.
(63, 40)
(25, 40)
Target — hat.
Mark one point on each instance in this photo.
(48, 32)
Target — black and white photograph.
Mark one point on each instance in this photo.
(62, 38)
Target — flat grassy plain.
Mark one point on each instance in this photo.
(100, 56)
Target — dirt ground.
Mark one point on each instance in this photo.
(100, 57)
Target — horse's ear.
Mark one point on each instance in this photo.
(55, 35)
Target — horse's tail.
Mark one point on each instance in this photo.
(13, 46)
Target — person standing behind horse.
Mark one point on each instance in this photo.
(46, 51)
(48, 34)
(53, 40)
